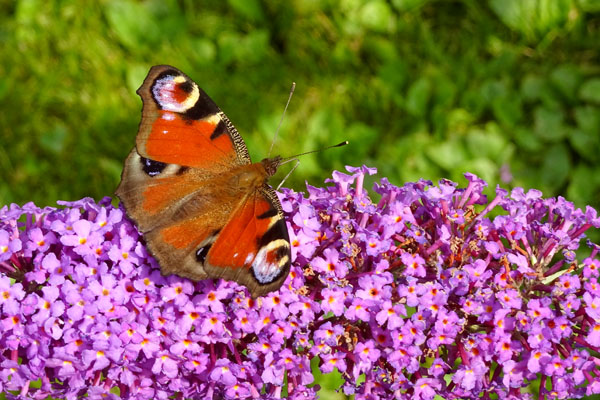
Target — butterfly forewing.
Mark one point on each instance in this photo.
(204, 208)
(182, 125)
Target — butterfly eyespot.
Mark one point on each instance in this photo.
(151, 167)
(271, 261)
(173, 92)
(201, 253)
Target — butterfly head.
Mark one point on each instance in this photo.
(271, 164)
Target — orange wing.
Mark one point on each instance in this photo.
(253, 248)
(182, 125)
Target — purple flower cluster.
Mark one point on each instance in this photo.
(423, 293)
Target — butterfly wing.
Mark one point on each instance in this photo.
(257, 255)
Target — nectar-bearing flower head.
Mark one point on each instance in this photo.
(430, 290)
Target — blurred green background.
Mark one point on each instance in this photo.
(506, 89)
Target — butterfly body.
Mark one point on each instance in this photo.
(205, 209)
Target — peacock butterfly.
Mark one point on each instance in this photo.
(205, 209)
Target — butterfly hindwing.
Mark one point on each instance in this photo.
(253, 248)
(177, 212)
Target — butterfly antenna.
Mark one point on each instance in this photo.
(295, 157)
(289, 173)
(282, 115)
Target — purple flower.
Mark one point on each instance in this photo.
(8, 245)
(415, 264)
(38, 241)
(331, 361)
(84, 240)
(165, 364)
(329, 333)
(224, 371)
(333, 301)
(330, 264)
(358, 311)
(392, 314)
(432, 291)
(427, 388)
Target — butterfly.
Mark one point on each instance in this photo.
(204, 208)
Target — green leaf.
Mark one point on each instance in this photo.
(447, 154)
(567, 78)
(5, 85)
(322, 126)
(488, 143)
(254, 47)
(408, 5)
(26, 15)
(135, 75)
(133, 24)
(508, 109)
(482, 167)
(527, 140)
(590, 91)
(584, 185)
(533, 18)
(27, 11)
(585, 145)
(588, 119)
(244, 49)
(418, 97)
(111, 168)
(204, 50)
(361, 136)
(532, 87)
(548, 124)
(552, 14)
(444, 91)
(408, 161)
(329, 382)
(251, 9)
(493, 89)
(54, 139)
(589, 6)
(376, 15)
(383, 49)
(556, 166)
(228, 44)
(459, 120)
(394, 74)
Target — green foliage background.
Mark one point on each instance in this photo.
(420, 88)
(506, 89)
